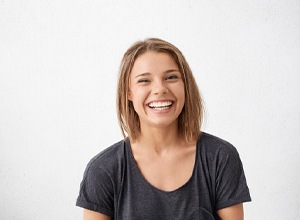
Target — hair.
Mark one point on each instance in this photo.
(191, 116)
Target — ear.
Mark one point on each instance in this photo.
(129, 96)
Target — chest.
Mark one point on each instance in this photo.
(140, 198)
(167, 173)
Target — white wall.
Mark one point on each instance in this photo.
(58, 68)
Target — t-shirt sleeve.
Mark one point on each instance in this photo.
(231, 185)
(96, 190)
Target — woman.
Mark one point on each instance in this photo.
(166, 168)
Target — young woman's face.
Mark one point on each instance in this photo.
(156, 90)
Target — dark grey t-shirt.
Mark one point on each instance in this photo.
(113, 185)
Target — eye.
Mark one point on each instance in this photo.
(143, 80)
(172, 77)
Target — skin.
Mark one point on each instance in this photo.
(91, 215)
(235, 212)
(163, 157)
(156, 77)
(165, 160)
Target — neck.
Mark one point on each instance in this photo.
(159, 139)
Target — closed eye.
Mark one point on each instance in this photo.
(172, 77)
(143, 80)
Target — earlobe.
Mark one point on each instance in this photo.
(129, 96)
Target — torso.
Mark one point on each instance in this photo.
(117, 184)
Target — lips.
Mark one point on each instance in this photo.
(160, 105)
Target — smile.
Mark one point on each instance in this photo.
(162, 105)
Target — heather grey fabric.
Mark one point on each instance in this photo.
(113, 185)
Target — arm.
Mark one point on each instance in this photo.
(91, 215)
(235, 212)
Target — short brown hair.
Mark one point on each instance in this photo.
(189, 120)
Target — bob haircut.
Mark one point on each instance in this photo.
(191, 116)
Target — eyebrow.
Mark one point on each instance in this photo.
(165, 72)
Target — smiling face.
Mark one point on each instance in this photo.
(156, 90)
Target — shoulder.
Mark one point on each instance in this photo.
(109, 160)
(215, 147)
(102, 179)
(224, 169)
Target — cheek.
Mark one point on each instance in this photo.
(139, 93)
(137, 98)
(180, 91)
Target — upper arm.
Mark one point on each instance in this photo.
(96, 191)
(235, 212)
(91, 215)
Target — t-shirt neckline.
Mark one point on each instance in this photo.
(136, 168)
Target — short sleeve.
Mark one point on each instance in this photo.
(96, 191)
(231, 185)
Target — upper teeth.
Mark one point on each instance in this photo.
(160, 104)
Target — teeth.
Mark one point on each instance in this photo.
(160, 105)
(161, 108)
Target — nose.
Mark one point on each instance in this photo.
(159, 87)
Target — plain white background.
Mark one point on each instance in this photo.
(58, 68)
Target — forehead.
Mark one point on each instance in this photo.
(153, 62)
